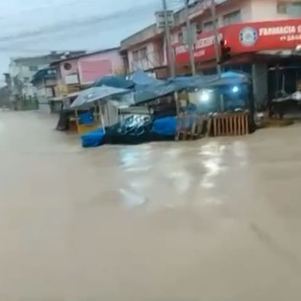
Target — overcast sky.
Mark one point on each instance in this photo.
(31, 27)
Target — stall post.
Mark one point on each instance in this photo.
(101, 117)
(77, 120)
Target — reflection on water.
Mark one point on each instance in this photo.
(132, 198)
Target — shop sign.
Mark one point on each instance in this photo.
(246, 38)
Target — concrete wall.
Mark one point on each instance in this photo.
(251, 11)
(267, 10)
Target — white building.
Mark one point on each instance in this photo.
(22, 70)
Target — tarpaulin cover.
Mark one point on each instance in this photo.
(160, 88)
(93, 139)
(142, 79)
(154, 91)
(133, 130)
(114, 81)
(94, 94)
(210, 81)
(86, 118)
(165, 126)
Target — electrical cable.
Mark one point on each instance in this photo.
(88, 21)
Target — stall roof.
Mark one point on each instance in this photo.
(94, 94)
(207, 81)
(114, 81)
(142, 79)
(46, 73)
(154, 91)
(160, 88)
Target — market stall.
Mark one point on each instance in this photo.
(99, 110)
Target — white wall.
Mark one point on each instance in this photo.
(251, 11)
(264, 10)
(25, 75)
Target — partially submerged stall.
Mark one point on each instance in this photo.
(216, 106)
(204, 105)
(100, 111)
(142, 108)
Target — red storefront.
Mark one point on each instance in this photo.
(246, 38)
(258, 47)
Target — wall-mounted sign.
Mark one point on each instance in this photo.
(160, 19)
(246, 38)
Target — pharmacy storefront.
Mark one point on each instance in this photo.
(270, 50)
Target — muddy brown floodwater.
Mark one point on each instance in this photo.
(212, 220)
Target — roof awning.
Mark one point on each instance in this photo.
(94, 94)
(72, 95)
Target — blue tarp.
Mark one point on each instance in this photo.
(210, 81)
(89, 96)
(86, 118)
(153, 92)
(142, 79)
(114, 82)
(165, 127)
(93, 139)
(163, 88)
(44, 74)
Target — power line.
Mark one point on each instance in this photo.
(88, 21)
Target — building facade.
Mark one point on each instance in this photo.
(22, 70)
(45, 83)
(261, 35)
(145, 50)
(78, 72)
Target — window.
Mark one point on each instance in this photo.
(181, 37)
(232, 18)
(143, 53)
(136, 55)
(292, 9)
(199, 28)
(208, 26)
(140, 54)
(67, 66)
(281, 8)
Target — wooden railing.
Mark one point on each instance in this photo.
(193, 126)
(229, 124)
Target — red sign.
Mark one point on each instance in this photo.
(246, 38)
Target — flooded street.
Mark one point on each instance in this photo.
(212, 220)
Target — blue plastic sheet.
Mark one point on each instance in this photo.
(93, 139)
(165, 127)
(86, 118)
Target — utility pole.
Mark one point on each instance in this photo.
(217, 50)
(216, 38)
(190, 39)
(169, 51)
